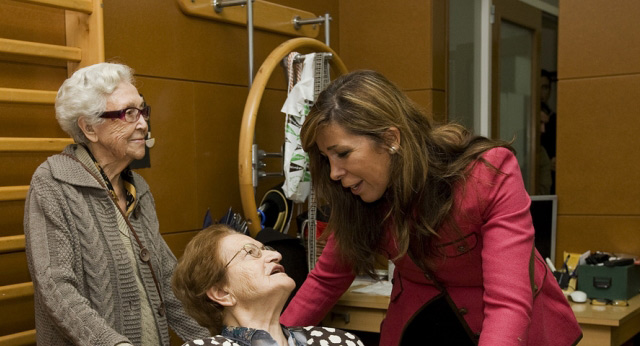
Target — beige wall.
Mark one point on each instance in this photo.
(598, 179)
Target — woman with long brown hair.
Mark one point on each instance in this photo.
(447, 207)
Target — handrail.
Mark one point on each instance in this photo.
(85, 6)
(27, 337)
(247, 127)
(12, 243)
(40, 50)
(27, 96)
(13, 193)
(266, 15)
(14, 291)
(29, 144)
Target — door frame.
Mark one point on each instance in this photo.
(529, 17)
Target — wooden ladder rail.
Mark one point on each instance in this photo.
(83, 18)
(9, 244)
(12, 243)
(17, 291)
(28, 337)
(85, 46)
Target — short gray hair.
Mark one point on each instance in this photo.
(85, 94)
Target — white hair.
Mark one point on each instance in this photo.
(85, 94)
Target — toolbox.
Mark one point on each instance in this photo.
(614, 283)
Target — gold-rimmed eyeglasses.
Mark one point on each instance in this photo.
(251, 249)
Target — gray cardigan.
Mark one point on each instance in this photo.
(84, 283)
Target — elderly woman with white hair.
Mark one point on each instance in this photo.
(100, 268)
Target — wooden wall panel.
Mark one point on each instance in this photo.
(178, 241)
(46, 24)
(434, 102)
(598, 100)
(598, 37)
(41, 119)
(17, 168)
(390, 39)
(31, 76)
(21, 314)
(11, 218)
(14, 269)
(598, 233)
(598, 157)
(405, 43)
(172, 176)
(217, 132)
(157, 39)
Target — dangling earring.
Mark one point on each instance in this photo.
(392, 150)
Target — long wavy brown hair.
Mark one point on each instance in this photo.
(429, 163)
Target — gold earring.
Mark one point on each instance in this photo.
(392, 150)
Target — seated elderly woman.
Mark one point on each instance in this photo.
(101, 271)
(234, 286)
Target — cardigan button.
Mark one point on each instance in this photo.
(463, 311)
(145, 255)
(161, 310)
(462, 249)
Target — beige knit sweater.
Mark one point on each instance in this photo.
(84, 281)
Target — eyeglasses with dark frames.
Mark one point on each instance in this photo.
(251, 249)
(129, 114)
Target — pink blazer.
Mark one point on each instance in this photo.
(485, 270)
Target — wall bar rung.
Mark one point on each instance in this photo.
(29, 144)
(12, 243)
(13, 193)
(23, 338)
(40, 50)
(73, 5)
(27, 96)
(20, 290)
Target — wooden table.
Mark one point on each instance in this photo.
(358, 311)
(601, 325)
(608, 325)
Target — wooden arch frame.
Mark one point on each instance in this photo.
(247, 129)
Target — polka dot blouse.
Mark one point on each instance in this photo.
(297, 336)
